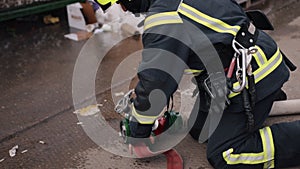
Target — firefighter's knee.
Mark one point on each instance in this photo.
(216, 161)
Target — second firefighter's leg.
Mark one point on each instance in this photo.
(232, 146)
(287, 144)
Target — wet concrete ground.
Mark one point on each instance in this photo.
(36, 69)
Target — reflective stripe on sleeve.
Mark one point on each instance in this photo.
(161, 19)
(263, 71)
(208, 21)
(266, 157)
(142, 118)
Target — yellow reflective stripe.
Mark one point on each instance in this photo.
(161, 19)
(208, 21)
(193, 71)
(266, 157)
(263, 71)
(268, 146)
(272, 148)
(104, 2)
(142, 118)
(262, 54)
(269, 67)
(260, 57)
(232, 94)
(243, 158)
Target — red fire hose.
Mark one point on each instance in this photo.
(174, 159)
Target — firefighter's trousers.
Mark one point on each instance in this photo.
(232, 146)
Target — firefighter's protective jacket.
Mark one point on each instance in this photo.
(219, 21)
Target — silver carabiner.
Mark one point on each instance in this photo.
(237, 46)
(241, 71)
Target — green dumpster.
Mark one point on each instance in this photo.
(34, 8)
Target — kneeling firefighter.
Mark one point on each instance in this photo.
(254, 66)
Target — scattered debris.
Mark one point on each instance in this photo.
(49, 19)
(88, 111)
(106, 28)
(42, 142)
(98, 30)
(2, 160)
(24, 151)
(13, 151)
(78, 36)
(75, 16)
(119, 94)
(71, 36)
(89, 20)
(91, 27)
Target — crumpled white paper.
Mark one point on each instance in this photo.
(13, 151)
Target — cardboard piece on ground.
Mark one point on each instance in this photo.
(75, 16)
